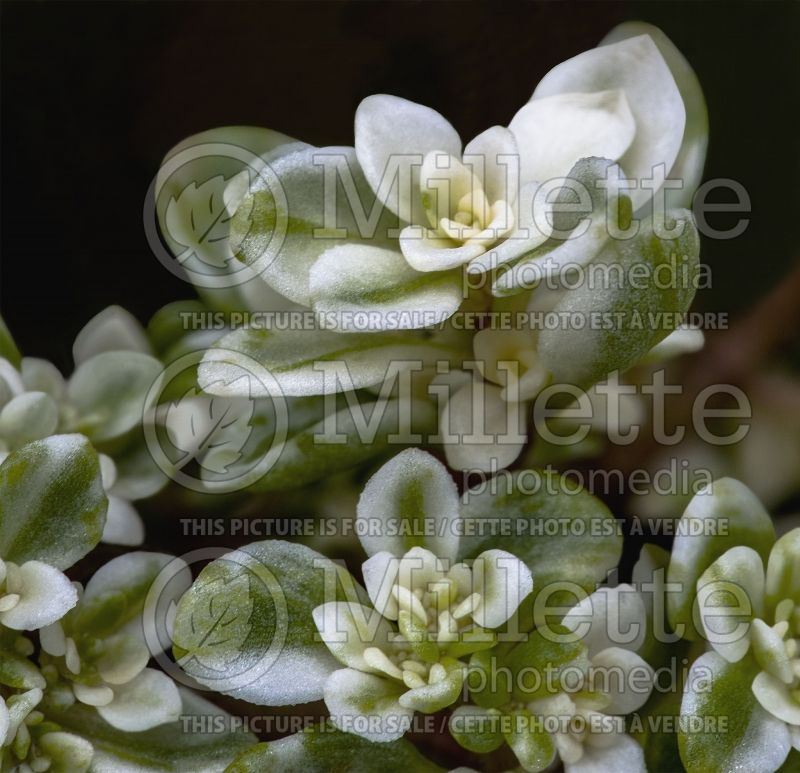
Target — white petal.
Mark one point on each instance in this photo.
(113, 329)
(123, 524)
(390, 129)
(413, 490)
(46, 596)
(380, 574)
(623, 755)
(53, 640)
(774, 697)
(554, 132)
(91, 695)
(151, 699)
(483, 431)
(684, 340)
(426, 251)
(637, 67)
(527, 235)
(366, 705)
(493, 156)
(348, 629)
(616, 617)
(502, 581)
(108, 471)
(688, 165)
(626, 677)
(737, 571)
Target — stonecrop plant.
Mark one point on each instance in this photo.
(390, 322)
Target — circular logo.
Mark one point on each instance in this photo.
(221, 635)
(221, 440)
(193, 199)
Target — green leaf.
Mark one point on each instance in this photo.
(8, 349)
(534, 747)
(341, 441)
(354, 284)
(752, 740)
(537, 662)
(52, 503)
(477, 729)
(294, 361)
(285, 223)
(561, 532)
(115, 596)
(109, 392)
(585, 354)
(719, 517)
(245, 628)
(205, 739)
(19, 672)
(325, 750)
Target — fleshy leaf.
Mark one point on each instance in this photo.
(647, 310)
(205, 740)
(411, 501)
(52, 504)
(113, 329)
(345, 439)
(109, 392)
(323, 749)
(360, 288)
(519, 517)
(268, 650)
(294, 360)
(753, 740)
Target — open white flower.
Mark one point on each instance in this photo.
(426, 204)
(107, 667)
(443, 610)
(771, 632)
(591, 729)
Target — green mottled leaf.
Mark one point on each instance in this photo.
(109, 391)
(52, 503)
(245, 626)
(561, 532)
(325, 750)
(642, 313)
(752, 739)
(8, 349)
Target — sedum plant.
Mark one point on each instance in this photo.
(462, 606)
(386, 241)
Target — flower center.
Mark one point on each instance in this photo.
(456, 205)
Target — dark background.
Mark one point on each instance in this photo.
(94, 94)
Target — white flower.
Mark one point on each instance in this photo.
(111, 672)
(772, 632)
(442, 609)
(591, 730)
(439, 205)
